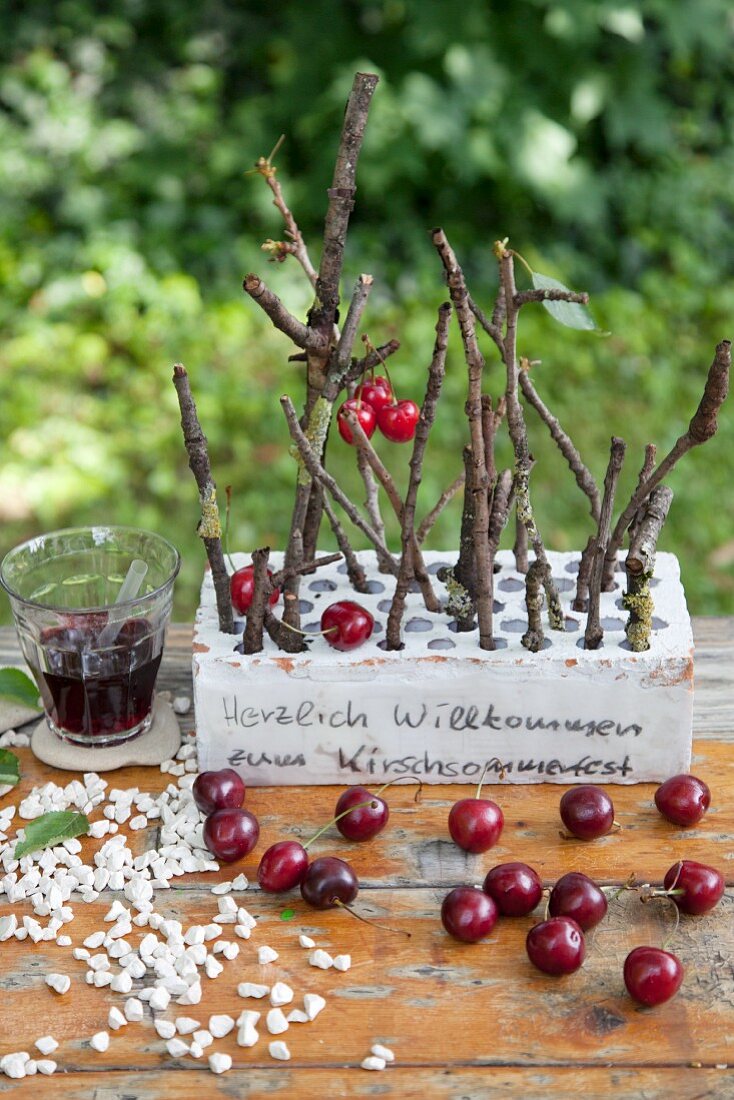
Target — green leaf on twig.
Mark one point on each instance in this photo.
(15, 685)
(51, 829)
(9, 768)
(570, 314)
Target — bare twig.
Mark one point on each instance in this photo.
(299, 333)
(584, 477)
(285, 573)
(407, 533)
(640, 566)
(461, 579)
(501, 504)
(252, 641)
(372, 496)
(493, 328)
(361, 293)
(316, 470)
(552, 294)
(702, 427)
(475, 364)
(535, 582)
(583, 579)
(594, 632)
(646, 469)
(446, 497)
(355, 572)
(519, 435)
(296, 246)
(209, 528)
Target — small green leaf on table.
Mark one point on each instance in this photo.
(51, 829)
(9, 768)
(570, 314)
(288, 914)
(18, 687)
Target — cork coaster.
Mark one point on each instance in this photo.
(161, 742)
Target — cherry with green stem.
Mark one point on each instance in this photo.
(284, 864)
(359, 820)
(475, 824)
(331, 883)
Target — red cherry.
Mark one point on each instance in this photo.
(242, 589)
(346, 625)
(702, 886)
(575, 895)
(282, 867)
(587, 812)
(475, 824)
(329, 881)
(376, 392)
(398, 422)
(652, 976)
(556, 946)
(683, 799)
(468, 914)
(515, 887)
(220, 790)
(367, 820)
(231, 834)
(365, 415)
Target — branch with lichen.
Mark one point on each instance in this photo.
(703, 426)
(409, 545)
(640, 567)
(209, 528)
(535, 582)
(461, 579)
(594, 632)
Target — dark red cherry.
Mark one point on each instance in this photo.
(242, 589)
(231, 834)
(365, 821)
(329, 881)
(398, 422)
(346, 625)
(652, 976)
(587, 812)
(220, 790)
(376, 392)
(282, 867)
(515, 887)
(365, 415)
(702, 886)
(576, 896)
(556, 946)
(475, 824)
(683, 799)
(468, 914)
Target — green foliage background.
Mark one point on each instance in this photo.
(598, 135)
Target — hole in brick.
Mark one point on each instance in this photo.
(571, 625)
(342, 567)
(304, 606)
(383, 644)
(514, 626)
(322, 586)
(454, 627)
(580, 644)
(377, 628)
(418, 626)
(564, 584)
(384, 605)
(654, 581)
(373, 587)
(572, 567)
(437, 565)
(612, 624)
(511, 584)
(659, 624)
(414, 586)
(441, 643)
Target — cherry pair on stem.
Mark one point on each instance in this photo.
(376, 406)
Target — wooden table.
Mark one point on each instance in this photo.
(464, 1021)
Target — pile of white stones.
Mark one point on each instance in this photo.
(168, 962)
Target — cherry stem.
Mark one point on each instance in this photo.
(523, 261)
(615, 892)
(308, 633)
(410, 778)
(359, 805)
(373, 923)
(371, 347)
(481, 780)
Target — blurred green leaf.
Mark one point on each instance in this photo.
(9, 768)
(570, 314)
(18, 687)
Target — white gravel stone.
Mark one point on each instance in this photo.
(382, 1052)
(165, 1028)
(203, 1037)
(115, 1019)
(185, 1025)
(313, 1003)
(46, 1066)
(306, 941)
(182, 704)
(133, 1010)
(219, 1062)
(60, 983)
(122, 982)
(276, 1022)
(342, 962)
(266, 954)
(240, 883)
(279, 1050)
(46, 1044)
(159, 999)
(297, 1016)
(8, 926)
(212, 967)
(252, 989)
(372, 1062)
(177, 1048)
(321, 959)
(280, 994)
(100, 1041)
(220, 1025)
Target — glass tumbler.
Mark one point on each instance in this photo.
(95, 659)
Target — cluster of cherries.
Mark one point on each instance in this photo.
(576, 904)
(231, 833)
(375, 406)
(345, 624)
